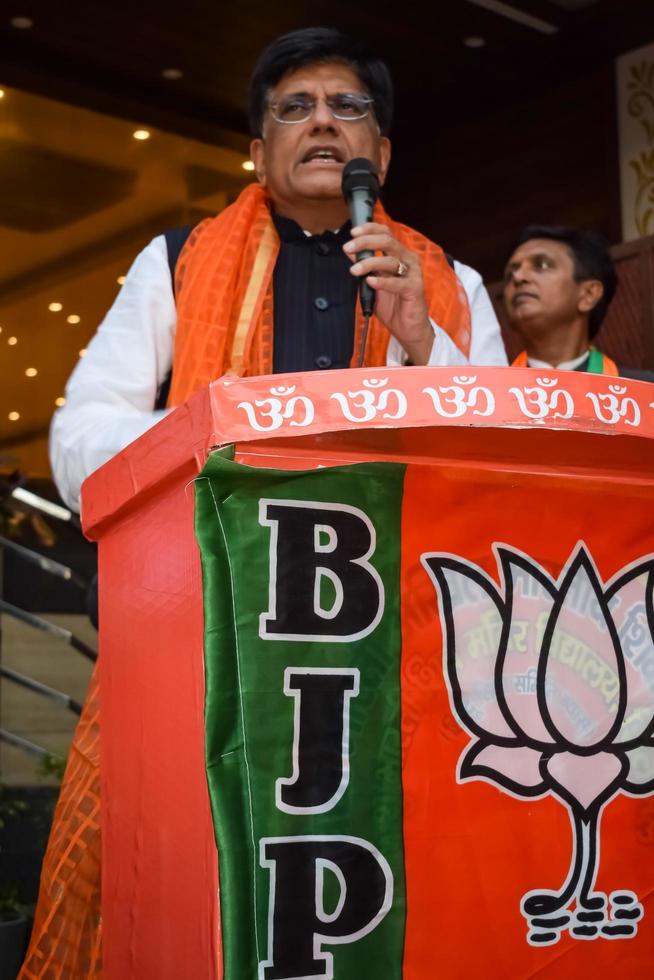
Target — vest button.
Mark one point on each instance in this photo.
(321, 303)
(323, 361)
(322, 248)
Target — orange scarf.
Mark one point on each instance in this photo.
(223, 285)
(609, 367)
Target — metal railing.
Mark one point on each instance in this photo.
(14, 499)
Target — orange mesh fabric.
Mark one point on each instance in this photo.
(225, 303)
(220, 275)
(66, 938)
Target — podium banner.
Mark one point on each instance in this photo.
(429, 720)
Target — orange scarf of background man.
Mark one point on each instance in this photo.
(225, 303)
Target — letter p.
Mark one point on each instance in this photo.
(298, 923)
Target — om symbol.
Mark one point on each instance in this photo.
(271, 413)
(365, 404)
(452, 401)
(537, 403)
(610, 407)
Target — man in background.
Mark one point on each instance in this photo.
(558, 285)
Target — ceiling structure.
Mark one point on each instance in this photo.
(113, 55)
(79, 195)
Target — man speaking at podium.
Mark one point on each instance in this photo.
(271, 283)
(267, 286)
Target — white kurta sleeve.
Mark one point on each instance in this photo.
(111, 392)
(486, 346)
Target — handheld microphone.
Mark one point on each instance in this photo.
(360, 187)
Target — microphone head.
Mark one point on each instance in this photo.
(360, 175)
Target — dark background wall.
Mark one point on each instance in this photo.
(523, 128)
(545, 152)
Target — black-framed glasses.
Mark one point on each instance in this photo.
(347, 106)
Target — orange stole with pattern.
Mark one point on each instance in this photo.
(223, 285)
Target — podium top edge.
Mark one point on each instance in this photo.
(288, 406)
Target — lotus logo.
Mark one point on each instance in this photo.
(554, 681)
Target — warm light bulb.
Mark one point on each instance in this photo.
(141, 134)
(14, 416)
(12, 340)
(60, 401)
(73, 318)
(248, 165)
(2, 93)
(121, 280)
(31, 372)
(82, 353)
(55, 307)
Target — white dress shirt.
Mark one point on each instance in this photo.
(111, 393)
(533, 362)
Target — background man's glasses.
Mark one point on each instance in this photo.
(298, 108)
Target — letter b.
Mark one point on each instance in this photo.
(312, 544)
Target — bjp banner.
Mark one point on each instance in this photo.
(429, 721)
(406, 685)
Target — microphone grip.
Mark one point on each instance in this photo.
(361, 209)
(366, 292)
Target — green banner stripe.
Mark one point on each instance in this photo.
(254, 525)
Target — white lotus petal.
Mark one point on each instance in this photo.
(584, 777)
(471, 650)
(641, 765)
(530, 611)
(629, 613)
(582, 684)
(516, 768)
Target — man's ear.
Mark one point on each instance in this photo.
(258, 158)
(590, 293)
(384, 158)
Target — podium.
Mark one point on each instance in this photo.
(525, 698)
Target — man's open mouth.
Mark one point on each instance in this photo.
(323, 155)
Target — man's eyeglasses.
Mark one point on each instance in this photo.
(347, 106)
